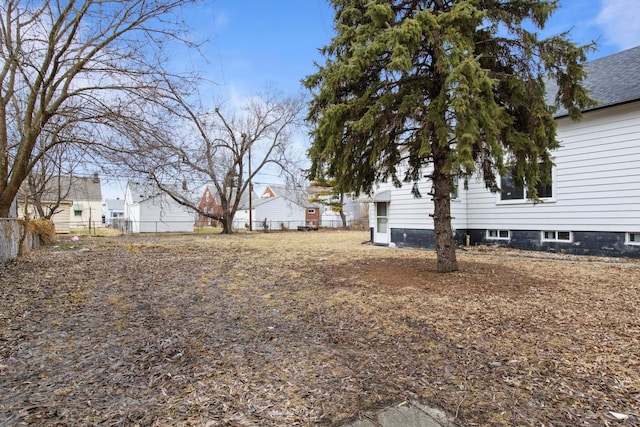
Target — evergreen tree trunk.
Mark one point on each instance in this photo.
(343, 217)
(445, 243)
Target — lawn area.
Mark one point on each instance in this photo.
(273, 329)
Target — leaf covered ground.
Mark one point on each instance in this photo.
(312, 329)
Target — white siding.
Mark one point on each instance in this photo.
(280, 211)
(597, 180)
(408, 212)
(157, 214)
(330, 219)
(163, 214)
(134, 212)
(91, 212)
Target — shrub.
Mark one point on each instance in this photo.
(44, 229)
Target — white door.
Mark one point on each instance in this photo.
(382, 230)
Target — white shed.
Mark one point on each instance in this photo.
(147, 209)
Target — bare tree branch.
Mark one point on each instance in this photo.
(83, 61)
(213, 148)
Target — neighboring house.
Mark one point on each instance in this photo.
(79, 201)
(113, 210)
(279, 213)
(269, 191)
(209, 204)
(592, 206)
(147, 209)
(353, 208)
(312, 217)
(287, 208)
(241, 218)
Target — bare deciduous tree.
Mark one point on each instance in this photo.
(82, 61)
(224, 148)
(49, 181)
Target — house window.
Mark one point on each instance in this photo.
(512, 191)
(557, 236)
(498, 234)
(311, 211)
(454, 187)
(381, 217)
(633, 239)
(77, 212)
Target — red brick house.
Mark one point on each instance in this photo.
(312, 217)
(208, 204)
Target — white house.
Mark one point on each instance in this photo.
(147, 209)
(241, 218)
(278, 207)
(280, 212)
(75, 200)
(592, 206)
(113, 210)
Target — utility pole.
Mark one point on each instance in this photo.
(244, 139)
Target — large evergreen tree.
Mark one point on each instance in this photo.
(442, 88)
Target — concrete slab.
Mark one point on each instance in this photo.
(405, 414)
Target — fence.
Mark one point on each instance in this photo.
(11, 234)
(128, 226)
(86, 226)
(266, 225)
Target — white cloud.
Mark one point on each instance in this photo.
(221, 20)
(620, 21)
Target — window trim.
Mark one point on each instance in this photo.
(556, 239)
(454, 194)
(525, 200)
(498, 232)
(384, 218)
(628, 241)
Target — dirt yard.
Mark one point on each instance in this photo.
(312, 329)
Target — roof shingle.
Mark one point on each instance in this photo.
(611, 80)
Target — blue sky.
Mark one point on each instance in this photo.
(252, 43)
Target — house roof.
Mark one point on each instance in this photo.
(85, 188)
(114, 204)
(212, 190)
(296, 195)
(244, 200)
(71, 189)
(148, 190)
(611, 80)
(142, 191)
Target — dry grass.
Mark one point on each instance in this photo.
(95, 232)
(44, 229)
(312, 328)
